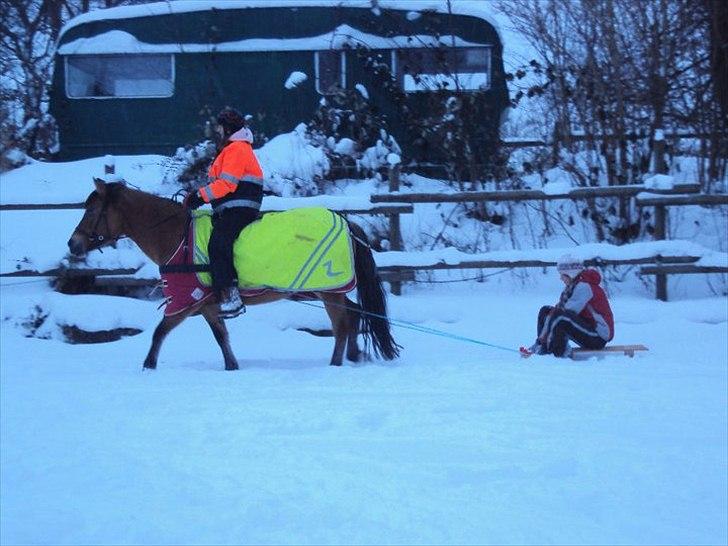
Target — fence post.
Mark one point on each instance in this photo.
(660, 230)
(660, 211)
(395, 234)
(109, 166)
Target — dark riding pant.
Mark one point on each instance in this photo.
(562, 326)
(226, 226)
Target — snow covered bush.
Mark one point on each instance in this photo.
(293, 164)
(353, 134)
(189, 165)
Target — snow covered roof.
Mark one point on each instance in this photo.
(118, 41)
(475, 8)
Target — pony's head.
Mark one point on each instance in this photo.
(102, 223)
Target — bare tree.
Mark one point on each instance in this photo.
(619, 70)
(29, 30)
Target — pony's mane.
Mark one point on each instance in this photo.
(114, 190)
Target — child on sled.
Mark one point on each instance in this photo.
(582, 314)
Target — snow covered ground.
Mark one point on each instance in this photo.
(454, 443)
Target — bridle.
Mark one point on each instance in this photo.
(94, 238)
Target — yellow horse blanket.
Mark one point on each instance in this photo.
(298, 250)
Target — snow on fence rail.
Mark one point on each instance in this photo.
(519, 142)
(631, 190)
(349, 205)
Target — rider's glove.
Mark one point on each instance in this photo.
(192, 201)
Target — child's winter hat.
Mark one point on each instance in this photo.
(568, 265)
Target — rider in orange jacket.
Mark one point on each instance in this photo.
(235, 191)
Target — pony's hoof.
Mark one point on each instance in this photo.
(231, 368)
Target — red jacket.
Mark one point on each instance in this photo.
(586, 298)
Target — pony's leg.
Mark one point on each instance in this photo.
(160, 332)
(219, 330)
(353, 353)
(338, 313)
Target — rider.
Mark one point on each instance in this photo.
(582, 314)
(235, 192)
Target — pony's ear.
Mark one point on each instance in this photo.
(100, 186)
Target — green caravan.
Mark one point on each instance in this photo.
(147, 78)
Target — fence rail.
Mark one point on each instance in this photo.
(533, 142)
(678, 200)
(392, 207)
(529, 195)
(392, 273)
(682, 269)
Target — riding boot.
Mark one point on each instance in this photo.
(231, 304)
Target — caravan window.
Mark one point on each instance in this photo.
(119, 76)
(330, 69)
(430, 69)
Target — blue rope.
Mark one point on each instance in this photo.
(423, 329)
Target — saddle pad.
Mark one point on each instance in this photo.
(306, 249)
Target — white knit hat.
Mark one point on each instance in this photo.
(569, 265)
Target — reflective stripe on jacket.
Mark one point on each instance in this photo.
(236, 179)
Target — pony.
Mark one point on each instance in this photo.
(158, 225)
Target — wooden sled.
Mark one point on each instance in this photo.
(627, 350)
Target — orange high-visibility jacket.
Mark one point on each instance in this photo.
(236, 179)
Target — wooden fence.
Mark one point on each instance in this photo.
(680, 194)
(395, 203)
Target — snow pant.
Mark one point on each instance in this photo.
(562, 326)
(226, 226)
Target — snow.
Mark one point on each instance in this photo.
(345, 146)
(120, 42)
(295, 79)
(290, 156)
(459, 441)
(603, 251)
(454, 443)
(659, 182)
(82, 311)
(71, 182)
(393, 159)
(462, 7)
(560, 187)
(461, 80)
(362, 91)
(286, 156)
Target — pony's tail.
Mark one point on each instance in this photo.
(371, 298)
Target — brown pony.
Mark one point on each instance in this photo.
(157, 226)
